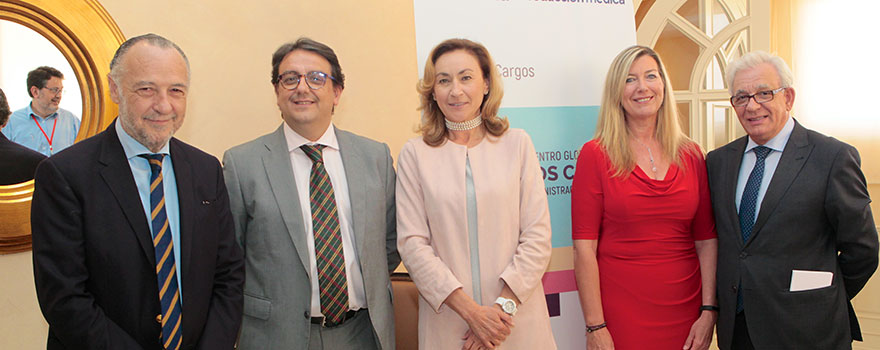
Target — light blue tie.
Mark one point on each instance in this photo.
(166, 271)
(748, 204)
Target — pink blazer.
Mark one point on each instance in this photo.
(513, 225)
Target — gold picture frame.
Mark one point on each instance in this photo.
(87, 37)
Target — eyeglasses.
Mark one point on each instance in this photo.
(760, 97)
(315, 80)
(55, 90)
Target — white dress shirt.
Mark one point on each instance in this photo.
(777, 145)
(302, 168)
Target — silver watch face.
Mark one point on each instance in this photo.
(509, 306)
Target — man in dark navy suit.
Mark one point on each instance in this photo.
(133, 240)
(796, 237)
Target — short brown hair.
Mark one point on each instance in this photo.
(40, 76)
(309, 45)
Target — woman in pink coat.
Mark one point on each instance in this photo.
(472, 218)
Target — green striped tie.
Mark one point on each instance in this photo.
(166, 271)
(328, 240)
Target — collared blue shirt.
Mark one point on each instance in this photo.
(140, 168)
(23, 130)
(776, 145)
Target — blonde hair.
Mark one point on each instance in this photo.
(433, 124)
(611, 130)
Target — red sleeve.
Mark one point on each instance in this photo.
(587, 198)
(703, 226)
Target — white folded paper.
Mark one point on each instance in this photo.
(807, 280)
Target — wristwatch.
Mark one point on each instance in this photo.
(507, 305)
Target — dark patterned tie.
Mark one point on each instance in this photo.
(328, 240)
(748, 204)
(166, 271)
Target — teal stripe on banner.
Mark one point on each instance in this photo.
(558, 134)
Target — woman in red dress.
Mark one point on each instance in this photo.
(644, 235)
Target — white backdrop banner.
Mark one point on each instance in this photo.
(553, 56)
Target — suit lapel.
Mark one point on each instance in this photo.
(794, 156)
(117, 175)
(732, 162)
(185, 200)
(352, 160)
(276, 160)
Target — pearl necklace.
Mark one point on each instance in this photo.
(650, 155)
(465, 125)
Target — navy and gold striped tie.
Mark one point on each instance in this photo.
(166, 271)
(329, 257)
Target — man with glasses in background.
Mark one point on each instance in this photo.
(796, 237)
(43, 126)
(314, 210)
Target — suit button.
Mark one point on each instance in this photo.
(307, 315)
(743, 255)
(159, 318)
(734, 288)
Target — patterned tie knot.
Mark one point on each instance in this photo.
(155, 161)
(315, 152)
(761, 152)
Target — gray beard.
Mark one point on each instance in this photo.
(141, 136)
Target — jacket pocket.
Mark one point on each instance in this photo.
(257, 307)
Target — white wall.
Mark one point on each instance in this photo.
(22, 50)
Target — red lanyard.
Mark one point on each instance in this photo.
(48, 138)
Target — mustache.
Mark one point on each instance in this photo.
(302, 95)
(156, 117)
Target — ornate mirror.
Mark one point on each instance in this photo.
(87, 37)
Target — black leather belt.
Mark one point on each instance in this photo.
(348, 315)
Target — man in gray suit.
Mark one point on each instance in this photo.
(314, 211)
(796, 237)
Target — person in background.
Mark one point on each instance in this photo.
(472, 216)
(796, 237)
(314, 212)
(644, 237)
(133, 241)
(17, 162)
(43, 126)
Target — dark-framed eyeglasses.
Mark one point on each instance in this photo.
(760, 97)
(55, 90)
(315, 80)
